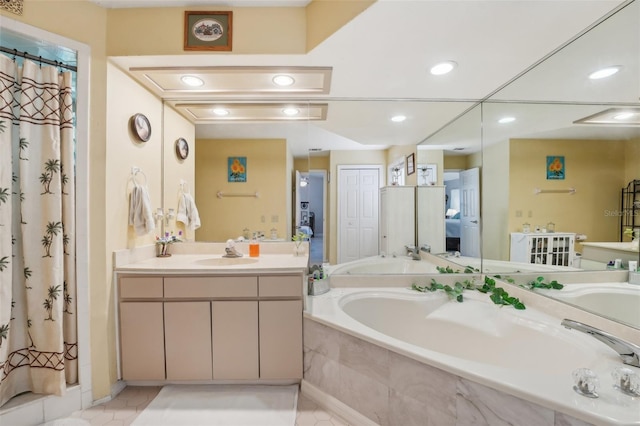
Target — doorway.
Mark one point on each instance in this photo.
(462, 206)
(312, 190)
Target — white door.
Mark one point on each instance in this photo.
(358, 214)
(470, 212)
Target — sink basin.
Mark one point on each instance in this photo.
(226, 261)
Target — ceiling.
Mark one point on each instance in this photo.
(377, 66)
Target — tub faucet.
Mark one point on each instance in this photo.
(629, 352)
(413, 252)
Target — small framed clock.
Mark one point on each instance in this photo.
(140, 127)
(182, 148)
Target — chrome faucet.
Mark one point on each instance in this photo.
(413, 252)
(629, 352)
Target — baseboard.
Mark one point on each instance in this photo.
(334, 405)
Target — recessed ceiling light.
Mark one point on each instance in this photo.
(192, 81)
(283, 80)
(443, 68)
(505, 120)
(220, 112)
(398, 118)
(291, 111)
(604, 72)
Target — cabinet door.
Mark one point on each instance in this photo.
(281, 339)
(235, 340)
(142, 341)
(188, 340)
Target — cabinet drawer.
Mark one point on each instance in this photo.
(140, 287)
(280, 286)
(190, 287)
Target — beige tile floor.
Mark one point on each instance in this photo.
(124, 408)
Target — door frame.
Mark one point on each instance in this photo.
(339, 169)
(324, 175)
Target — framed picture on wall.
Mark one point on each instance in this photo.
(411, 164)
(237, 169)
(208, 30)
(555, 167)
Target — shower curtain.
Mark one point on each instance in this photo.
(38, 333)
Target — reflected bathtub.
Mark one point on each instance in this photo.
(492, 266)
(618, 301)
(527, 353)
(379, 265)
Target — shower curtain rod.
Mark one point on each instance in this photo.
(40, 59)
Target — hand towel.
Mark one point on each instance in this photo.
(140, 212)
(188, 212)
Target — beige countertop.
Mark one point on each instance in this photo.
(208, 259)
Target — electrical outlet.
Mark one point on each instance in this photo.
(274, 218)
(263, 219)
(530, 213)
(518, 213)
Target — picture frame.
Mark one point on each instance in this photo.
(237, 169)
(411, 164)
(555, 167)
(182, 148)
(428, 174)
(140, 127)
(209, 31)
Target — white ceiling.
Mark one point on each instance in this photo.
(380, 63)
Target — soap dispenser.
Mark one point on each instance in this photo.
(254, 246)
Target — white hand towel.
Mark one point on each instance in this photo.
(188, 212)
(140, 212)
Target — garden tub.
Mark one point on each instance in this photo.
(526, 354)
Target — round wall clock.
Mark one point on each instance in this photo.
(141, 127)
(182, 148)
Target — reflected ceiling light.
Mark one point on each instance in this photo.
(220, 112)
(283, 80)
(623, 116)
(613, 116)
(191, 80)
(443, 68)
(291, 111)
(505, 120)
(398, 118)
(604, 72)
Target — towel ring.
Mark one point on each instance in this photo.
(134, 173)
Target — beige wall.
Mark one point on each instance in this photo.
(268, 173)
(401, 152)
(324, 17)
(596, 169)
(340, 158)
(632, 160)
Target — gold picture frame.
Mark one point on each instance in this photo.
(208, 30)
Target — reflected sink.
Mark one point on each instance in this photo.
(226, 261)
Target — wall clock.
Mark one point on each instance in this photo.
(182, 148)
(141, 127)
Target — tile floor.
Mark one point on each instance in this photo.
(124, 408)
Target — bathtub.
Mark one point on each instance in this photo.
(526, 354)
(379, 265)
(618, 301)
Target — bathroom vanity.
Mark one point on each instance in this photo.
(206, 317)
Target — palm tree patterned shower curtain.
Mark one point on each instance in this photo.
(38, 333)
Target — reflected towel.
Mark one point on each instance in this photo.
(188, 212)
(140, 212)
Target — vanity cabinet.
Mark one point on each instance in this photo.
(544, 248)
(203, 328)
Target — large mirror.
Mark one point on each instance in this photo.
(546, 101)
(561, 159)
